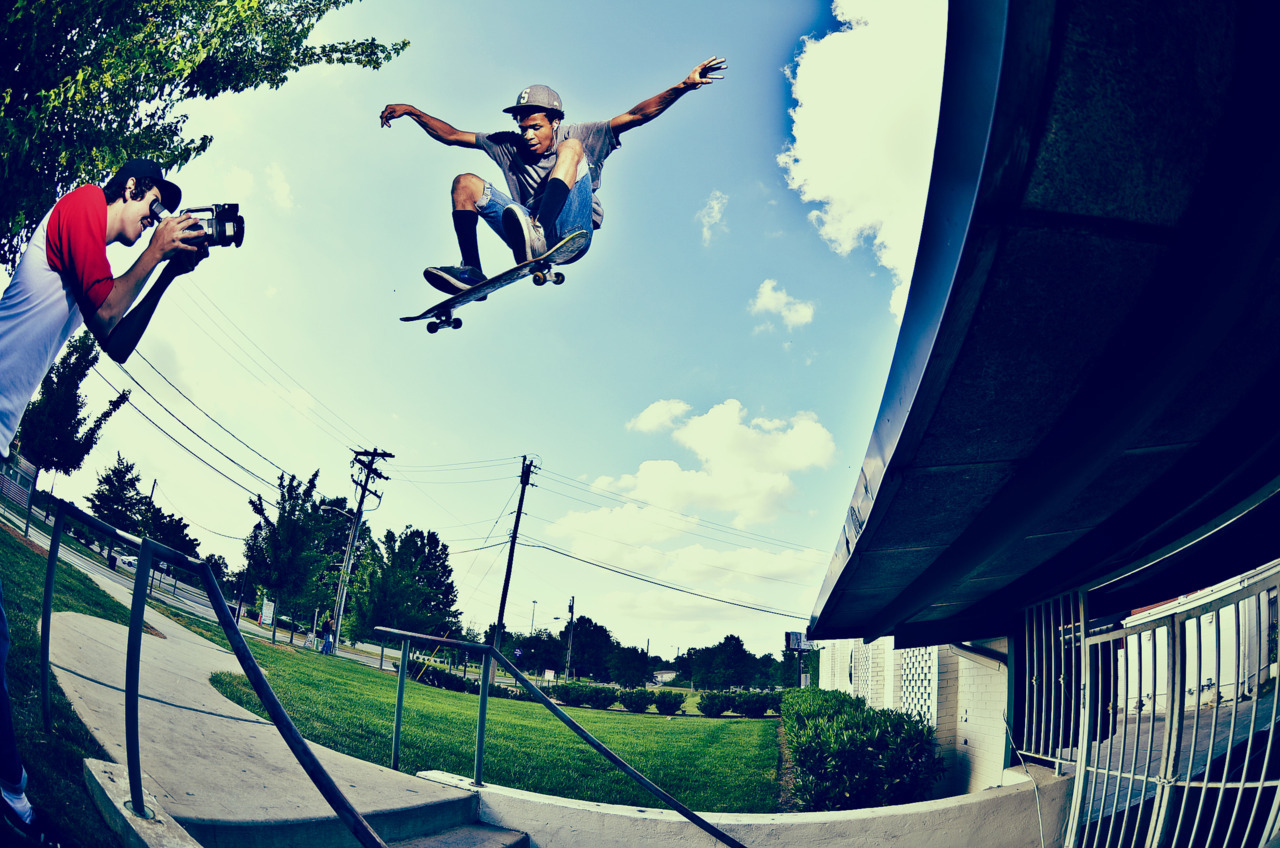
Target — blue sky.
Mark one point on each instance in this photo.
(718, 356)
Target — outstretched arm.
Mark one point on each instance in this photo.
(436, 128)
(645, 111)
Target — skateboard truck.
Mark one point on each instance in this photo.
(446, 321)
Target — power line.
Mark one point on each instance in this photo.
(172, 415)
(282, 370)
(634, 576)
(668, 555)
(173, 439)
(207, 415)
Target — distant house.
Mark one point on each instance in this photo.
(15, 480)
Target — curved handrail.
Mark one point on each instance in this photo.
(490, 654)
(150, 549)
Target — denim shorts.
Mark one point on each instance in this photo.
(576, 214)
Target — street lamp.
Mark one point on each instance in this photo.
(531, 615)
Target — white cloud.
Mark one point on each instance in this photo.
(711, 216)
(771, 299)
(744, 468)
(864, 128)
(659, 415)
(281, 193)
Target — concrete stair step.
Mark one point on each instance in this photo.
(468, 836)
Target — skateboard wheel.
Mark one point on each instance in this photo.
(558, 279)
(432, 327)
(539, 278)
(455, 323)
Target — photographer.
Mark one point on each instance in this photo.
(62, 280)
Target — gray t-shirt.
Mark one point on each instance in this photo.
(526, 179)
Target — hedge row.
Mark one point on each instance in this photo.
(848, 756)
(746, 704)
(431, 675)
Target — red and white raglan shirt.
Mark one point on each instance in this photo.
(65, 261)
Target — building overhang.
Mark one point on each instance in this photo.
(1081, 393)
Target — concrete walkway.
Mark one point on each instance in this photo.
(222, 772)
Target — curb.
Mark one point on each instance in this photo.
(109, 787)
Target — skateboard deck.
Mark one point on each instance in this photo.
(441, 315)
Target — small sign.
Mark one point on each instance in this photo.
(549, 674)
(268, 613)
(797, 642)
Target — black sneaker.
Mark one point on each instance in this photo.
(454, 278)
(39, 831)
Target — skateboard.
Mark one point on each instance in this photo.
(441, 315)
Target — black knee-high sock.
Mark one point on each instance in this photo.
(553, 198)
(464, 224)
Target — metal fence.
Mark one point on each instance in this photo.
(149, 551)
(1168, 719)
(494, 656)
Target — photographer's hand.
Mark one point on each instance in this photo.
(172, 236)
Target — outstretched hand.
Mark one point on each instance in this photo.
(393, 111)
(706, 72)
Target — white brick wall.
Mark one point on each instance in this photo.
(969, 701)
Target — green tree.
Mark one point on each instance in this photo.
(55, 434)
(84, 85)
(592, 645)
(426, 560)
(116, 499)
(282, 554)
(408, 586)
(629, 667)
(166, 528)
(726, 664)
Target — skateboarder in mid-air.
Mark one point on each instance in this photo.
(552, 170)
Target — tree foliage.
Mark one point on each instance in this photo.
(55, 434)
(88, 84)
(116, 499)
(282, 553)
(408, 586)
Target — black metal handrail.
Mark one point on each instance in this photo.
(149, 549)
(492, 655)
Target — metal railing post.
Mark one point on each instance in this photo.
(46, 616)
(485, 668)
(404, 669)
(132, 674)
(491, 655)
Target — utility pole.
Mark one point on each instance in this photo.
(568, 656)
(366, 460)
(526, 472)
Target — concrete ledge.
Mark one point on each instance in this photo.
(109, 786)
(1008, 816)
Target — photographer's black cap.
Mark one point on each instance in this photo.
(170, 194)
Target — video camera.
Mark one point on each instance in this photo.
(222, 222)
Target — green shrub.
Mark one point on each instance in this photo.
(848, 756)
(636, 700)
(716, 704)
(667, 702)
(774, 700)
(570, 694)
(600, 697)
(751, 704)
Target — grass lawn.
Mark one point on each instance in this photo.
(54, 762)
(711, 765)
